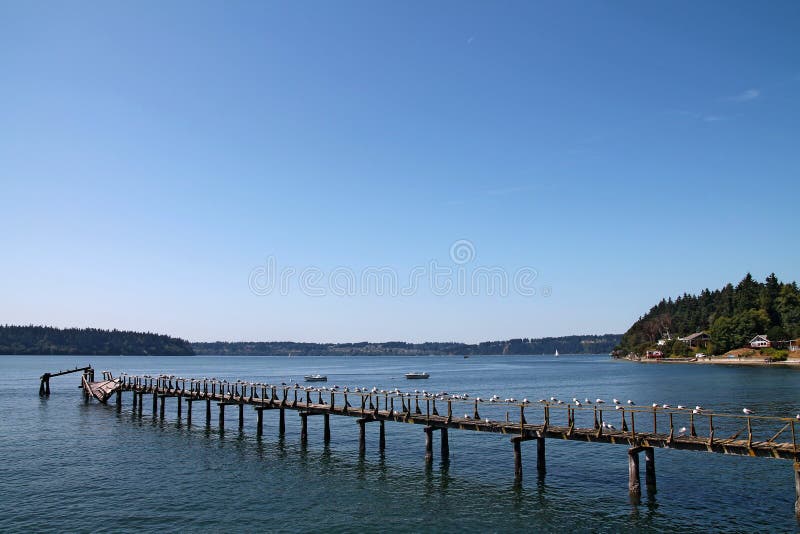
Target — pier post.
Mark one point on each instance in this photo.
(140, 397)
(189, 403)
(382, 438)
(155, 402)
(515, 443)
(221, 417)
(208, 412)
(541, 464)
(282, 422)
(180, 407)
(133, 404)
(259, 422)
(119, 400)
(163, 399)
(445, 444)
(241, 415)
(303, 427)
(634, 487)
(428, 444)
(650, 469)
(797, 488)
(362, 436)
(327, 427)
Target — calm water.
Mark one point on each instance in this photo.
(71, 466)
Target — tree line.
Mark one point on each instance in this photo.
(588, 344)
(88, 341)
(732, 316)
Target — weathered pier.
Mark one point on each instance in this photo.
(44, 385)
(641, 429)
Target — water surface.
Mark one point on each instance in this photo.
(72, 466)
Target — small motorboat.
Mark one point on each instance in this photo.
(315, 378)
(417, 376)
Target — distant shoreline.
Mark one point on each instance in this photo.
(749, 362)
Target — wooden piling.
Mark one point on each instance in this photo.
(208, 412)
(326, 433)
(241, 416)
(163, 399)
(515, 443)
(221, 417)
(259, 422)
(428, 444)
(445, 444)
(650, 469)
(141, 396)
(303, 427)
(119, 400)
(189, 403)
(155, 402)
(634, 487)
(797, 488)
(382, 438)
(541, 462)
(362, 436)
(180, 407)
(282, 422)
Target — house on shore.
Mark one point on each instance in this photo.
(794, 345)
(760, 342)
(696, 340)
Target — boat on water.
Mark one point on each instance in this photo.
(315, 378)
(417, 376)
(556, 354)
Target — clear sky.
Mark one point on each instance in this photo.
(157, 157)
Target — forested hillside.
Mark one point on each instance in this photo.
(731, 315)
(88, 341)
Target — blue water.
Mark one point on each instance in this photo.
(72, 466)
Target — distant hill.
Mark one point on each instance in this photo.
(731, 316)
(88, 341)
(589, 344)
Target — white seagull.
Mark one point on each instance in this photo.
(747, 411)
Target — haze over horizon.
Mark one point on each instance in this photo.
(341, 172)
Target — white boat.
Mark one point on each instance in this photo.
(315, 378)
(556, 352)
(417, 376)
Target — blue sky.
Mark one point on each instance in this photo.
(154, 156)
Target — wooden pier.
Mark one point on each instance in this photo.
(640, 429)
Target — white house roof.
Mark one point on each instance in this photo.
(759, 338)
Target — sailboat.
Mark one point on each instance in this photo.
(556, 353)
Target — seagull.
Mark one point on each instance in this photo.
(798, 417)
(618, 407)
(599, 401)
(747, 411)
(630, 402)
(698, 408)
(682, 431)
(578, 403)
(665, 406)
(681, 407)
(695, 411)
(655, 405)
(587, 401)
(610, 426)
(616, 401)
